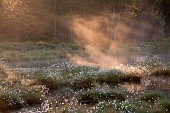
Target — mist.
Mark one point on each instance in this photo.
(103, 36)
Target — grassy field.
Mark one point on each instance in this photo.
(32, 51)
(28, 51)
(60, 86)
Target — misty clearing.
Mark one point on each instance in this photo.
(84, 56)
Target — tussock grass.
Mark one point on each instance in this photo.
(72, 110)
(43, 79)
(163, 106)
(115, 107)
(9, 102)
(12, 99)
(82, 77)
(105, 107)
(13, 94)
(93, 97)
(125, 106)
(78, 77)
(82, 83)
(152, 96)
(131, 78)
(161, 73)
(31, 97)
(109, 76)
(53, 81)
(143, 110)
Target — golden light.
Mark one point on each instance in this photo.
(11, 5)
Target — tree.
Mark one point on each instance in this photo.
(25, 18)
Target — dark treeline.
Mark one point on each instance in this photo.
(35, 19)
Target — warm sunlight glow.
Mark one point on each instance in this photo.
(11, 5)
(96, 36)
